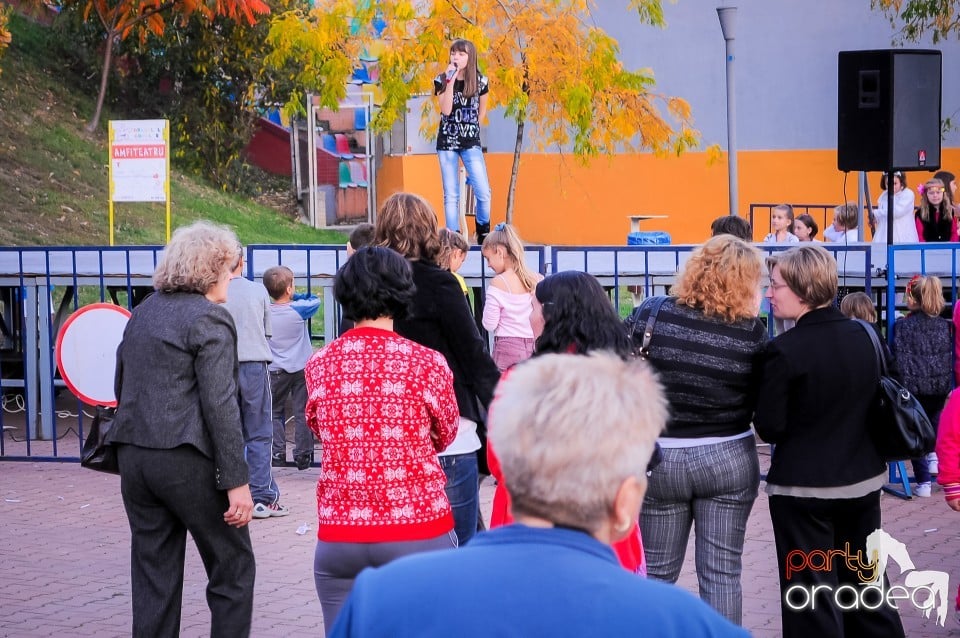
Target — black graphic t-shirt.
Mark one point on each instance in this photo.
(460, 129)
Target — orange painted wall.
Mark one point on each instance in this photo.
(558, 201)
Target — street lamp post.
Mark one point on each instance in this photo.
(728, 17)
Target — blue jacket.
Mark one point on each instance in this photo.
(522, 581)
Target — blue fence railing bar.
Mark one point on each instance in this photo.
(906, 260)
(40, 287)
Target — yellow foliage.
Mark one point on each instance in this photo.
(550, 67)
(714, 154)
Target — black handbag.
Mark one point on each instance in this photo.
(642, 349)
(97, 454)
(899, 427)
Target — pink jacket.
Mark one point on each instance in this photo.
(948, 447)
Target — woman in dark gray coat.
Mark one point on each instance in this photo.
(180, 445)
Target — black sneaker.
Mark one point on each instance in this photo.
(482, 231)
(278, 461)
(303, 461)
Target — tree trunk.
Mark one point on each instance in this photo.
(512, 189)
(104, 77)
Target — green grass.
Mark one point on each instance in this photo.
(53, 174)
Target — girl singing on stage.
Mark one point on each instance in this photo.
(463, 105)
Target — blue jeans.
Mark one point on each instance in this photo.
(256, 417)
(462, 488)
(472, 159)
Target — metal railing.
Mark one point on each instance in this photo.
(821, 212)
(41, 287)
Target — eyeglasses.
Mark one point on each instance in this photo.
(775, 286)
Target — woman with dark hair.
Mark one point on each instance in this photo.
(572, 314)
(904, 228)
(382, 406)
(817, 388)
(805, 227)
(441, 320)
(705, 343)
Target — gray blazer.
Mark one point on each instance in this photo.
(176, 382)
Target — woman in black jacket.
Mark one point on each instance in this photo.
(441, 320)
(818, 383)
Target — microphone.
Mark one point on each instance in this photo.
(452, 73)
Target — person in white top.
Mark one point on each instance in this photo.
(846, 218)
(904, 227)
(781, 223)
(506, 312)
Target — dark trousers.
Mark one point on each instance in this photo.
(808, 524)
(336, 566)
(282, 385)
(167, 493)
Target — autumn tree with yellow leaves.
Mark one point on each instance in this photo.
(916, 18)
(552, 69)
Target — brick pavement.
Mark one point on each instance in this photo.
(64, 558)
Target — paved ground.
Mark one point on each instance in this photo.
(64, 558)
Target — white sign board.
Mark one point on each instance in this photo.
(139, 160)
(86, 351)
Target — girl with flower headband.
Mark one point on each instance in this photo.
(935, 218)
(904, 228)
(506, 311)
(923, 346)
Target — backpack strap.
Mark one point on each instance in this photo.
(877, 349)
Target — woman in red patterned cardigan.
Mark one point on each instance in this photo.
(382, 406)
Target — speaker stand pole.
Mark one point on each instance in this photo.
(890, 303)
(889, 209)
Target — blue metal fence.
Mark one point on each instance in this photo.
(41, 287)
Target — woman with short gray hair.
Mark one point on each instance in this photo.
(180, 446)
(576, 434)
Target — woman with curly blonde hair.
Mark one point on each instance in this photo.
(705, 343)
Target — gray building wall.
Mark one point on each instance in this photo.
(786, 66)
